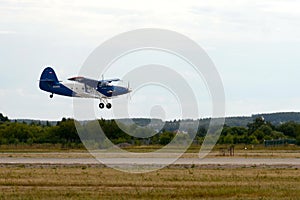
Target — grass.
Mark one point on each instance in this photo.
(24, 148)
(136, 148)
(42, 150)
(84, 182)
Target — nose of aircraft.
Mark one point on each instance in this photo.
(128, 90)
(118, 90)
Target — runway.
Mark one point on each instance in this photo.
(219, 161)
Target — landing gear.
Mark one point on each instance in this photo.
(108, 105)
(51, 95)
(101, 105)
(104, 103)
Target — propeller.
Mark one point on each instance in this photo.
(129, 91)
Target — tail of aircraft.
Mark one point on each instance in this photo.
(48, 79)
(50, 83)
(49, 75)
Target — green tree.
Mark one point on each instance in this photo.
(201, 132)
(259, 135)
(253, 140)
(166, 137)
(258, 122)
(289, 129)
(298, 140)
(67, 131)
(277, 135)
(228, 139)
(3, 118)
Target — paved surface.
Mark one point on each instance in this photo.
(155, 161)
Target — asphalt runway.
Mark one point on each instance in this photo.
(219, 161)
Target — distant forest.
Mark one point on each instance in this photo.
(237, 130)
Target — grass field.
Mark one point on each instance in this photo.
(83, 182)
(258, 151)
(95, 182)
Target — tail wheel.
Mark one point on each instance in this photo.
(108, 105)
(51, 95)
(101, 105)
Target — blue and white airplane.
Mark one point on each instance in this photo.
(84, 87)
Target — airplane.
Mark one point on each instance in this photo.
(83, 87)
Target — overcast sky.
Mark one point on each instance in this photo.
(255, 46)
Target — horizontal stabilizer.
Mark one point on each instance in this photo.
(47, 80)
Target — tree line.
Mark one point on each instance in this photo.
(65, 133)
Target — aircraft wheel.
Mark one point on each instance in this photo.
(101, 105)
(108, 105)
(51, 95)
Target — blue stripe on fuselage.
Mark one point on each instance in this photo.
(110, 90)
(57, 88)
(106, 90)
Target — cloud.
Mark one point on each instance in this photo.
(215, 20)
(24, 103)
(7, 32)
(243, 37)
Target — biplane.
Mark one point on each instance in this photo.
(82, 87)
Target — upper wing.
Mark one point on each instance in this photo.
(91, 82)
(109, 80)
